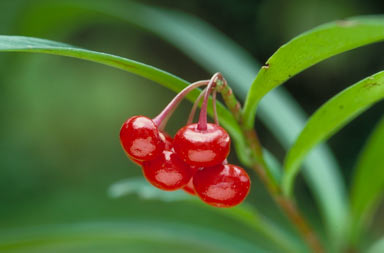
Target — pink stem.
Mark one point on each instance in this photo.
(216, 118)
(194, 107)
(161, 119)
(202, 124)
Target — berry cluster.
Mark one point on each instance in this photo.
(195, 160)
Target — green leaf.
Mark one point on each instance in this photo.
(243, 213)
(273, 164)
(140, 187)
(308, 49)
(368, 180)
(250, 217)
(329, 118)
(377, 247)
(122, 236)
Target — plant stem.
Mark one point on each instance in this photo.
(161, 119)
(261, 168)
(214, 110)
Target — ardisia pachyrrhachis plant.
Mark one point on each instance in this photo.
(194, 160)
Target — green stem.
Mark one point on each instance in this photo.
(259, 165)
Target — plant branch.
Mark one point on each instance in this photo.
(260, 167)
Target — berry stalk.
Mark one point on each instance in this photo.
(260, 167)
(161, 119)
(197, 102)
(215, 117)
(194, 107)
(202, 124)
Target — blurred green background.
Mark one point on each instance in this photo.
(59, 148)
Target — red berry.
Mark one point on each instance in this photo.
(222, 185)
(202, 148)
(140, 138)
(168, 141)
(167, 171)
(189, 188)
(137, 162)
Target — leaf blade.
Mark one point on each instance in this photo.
(368, 180)
(308, 49)
(329, 118)
(377, 247)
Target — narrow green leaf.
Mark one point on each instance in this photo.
(140, 187)
(123, 236)
(329, 118)
(243, 213)
(308, 49)
(273, 164)
(368, 180)
(377, 247)
(249, 216)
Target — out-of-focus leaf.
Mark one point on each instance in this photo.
(140, 187)
(249, 216)
(122, 236)
(377, 247)
(331, 117)
(368, 181)
(308, 49)
(273, 164)
(243, 213)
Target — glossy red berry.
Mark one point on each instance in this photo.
(140, 138)
(202, 148)
(167, 171)
(168, 141)
(189, 188)
(222, 185)
(140, 163)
